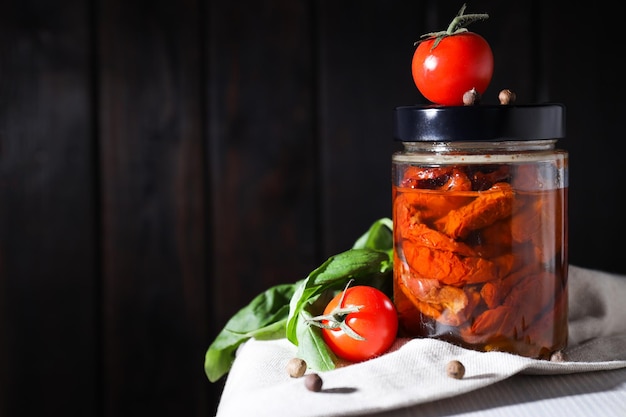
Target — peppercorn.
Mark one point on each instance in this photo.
(471, 97)
(296, 367)
(558, 356)
(313, 382)
(506, 96)
(455, 369)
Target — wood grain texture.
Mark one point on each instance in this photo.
(584, 72)
(264, 156)
(48, 239)
(365, 55)
(154, 293)
(163, 162)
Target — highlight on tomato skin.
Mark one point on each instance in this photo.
(456, 65)
(376, 322)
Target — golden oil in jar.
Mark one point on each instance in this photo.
(480, 226)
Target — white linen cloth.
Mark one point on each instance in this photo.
(413, 372)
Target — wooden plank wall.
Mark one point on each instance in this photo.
(162, 162)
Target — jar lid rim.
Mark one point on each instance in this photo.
(435, 123)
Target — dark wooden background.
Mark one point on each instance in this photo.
(163, 161)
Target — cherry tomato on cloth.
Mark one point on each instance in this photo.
(454, 66)
(376, 322)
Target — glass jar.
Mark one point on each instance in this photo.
(480, 226)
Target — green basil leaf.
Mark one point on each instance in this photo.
(311, 346)
(365, 266)
(264, 319)
(281, 311)
(378, 237)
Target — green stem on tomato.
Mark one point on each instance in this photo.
(461, 20)
(336, 319)
(458, 25)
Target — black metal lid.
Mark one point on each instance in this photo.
(479, 123)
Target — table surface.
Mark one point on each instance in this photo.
(601, 393)
(591, 384)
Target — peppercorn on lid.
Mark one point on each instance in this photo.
(479, 123)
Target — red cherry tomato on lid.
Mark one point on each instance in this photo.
(376, 322)
(457, 64)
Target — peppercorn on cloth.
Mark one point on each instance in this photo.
(413, 371)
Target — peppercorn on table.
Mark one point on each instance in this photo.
(411, 379)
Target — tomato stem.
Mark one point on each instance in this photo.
(461, 20)
(336, 319)
(458, 25)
